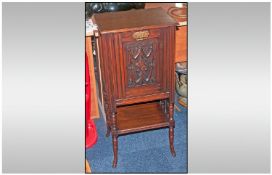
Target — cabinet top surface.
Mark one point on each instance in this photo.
(132, 19)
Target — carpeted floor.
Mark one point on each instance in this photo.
(143, 152)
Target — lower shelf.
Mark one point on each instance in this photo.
(140, 117)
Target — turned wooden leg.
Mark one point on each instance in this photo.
(114, 140)
(115, 150)
(171, 140)
(171, 129)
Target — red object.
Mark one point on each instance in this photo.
(91, 134)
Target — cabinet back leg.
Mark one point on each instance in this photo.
(115, 150)
(171, 129)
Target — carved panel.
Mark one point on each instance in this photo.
(141, 63)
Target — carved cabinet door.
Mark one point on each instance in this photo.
(141, 62)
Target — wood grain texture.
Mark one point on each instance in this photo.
(138, 76)
(181, 53)
(143, 98)
(140, 117)
(118, 21)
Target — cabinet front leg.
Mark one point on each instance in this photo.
(115, 150)
(114, 140)
(171, 129)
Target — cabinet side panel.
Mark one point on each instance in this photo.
(118, 62)
(110, 89)
(122, 70)
(104, 86)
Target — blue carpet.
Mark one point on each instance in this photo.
(143, 152)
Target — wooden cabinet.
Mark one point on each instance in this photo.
(136, 54)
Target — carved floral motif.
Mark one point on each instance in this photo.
(140, 67)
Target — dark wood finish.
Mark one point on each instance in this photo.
(143, 98)
(140, 117)
(133, 19)
(136, 52)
